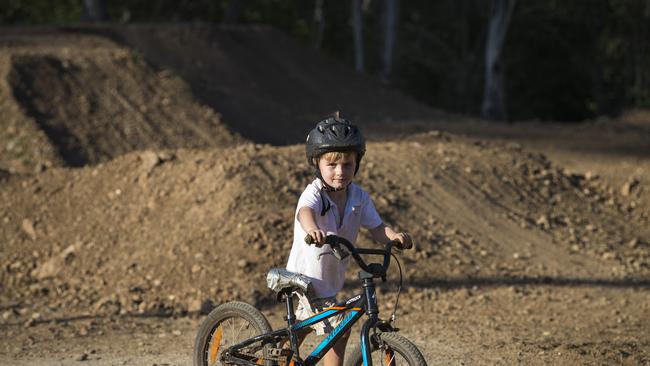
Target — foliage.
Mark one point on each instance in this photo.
(564, 60)
(39, 11)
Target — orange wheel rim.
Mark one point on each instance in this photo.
(214, 345)
(389, 357)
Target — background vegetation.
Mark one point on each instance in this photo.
(562, 60)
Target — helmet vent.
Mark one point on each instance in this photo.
(340, 130)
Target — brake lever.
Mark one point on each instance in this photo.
(339, 253)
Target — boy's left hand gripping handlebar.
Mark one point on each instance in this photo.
(336, 249)
(335, 241)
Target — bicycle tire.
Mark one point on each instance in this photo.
(228, 324)
(404, 352)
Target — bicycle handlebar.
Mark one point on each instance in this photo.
(380, 271)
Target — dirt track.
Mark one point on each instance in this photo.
(533, 243)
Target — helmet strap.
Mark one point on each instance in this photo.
(325, 204)
(326, 187)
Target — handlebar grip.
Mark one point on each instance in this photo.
(396, 244)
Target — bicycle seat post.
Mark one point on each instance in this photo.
(291, 316)
(291, 320)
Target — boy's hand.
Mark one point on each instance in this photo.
(405, 240)
(318, 237)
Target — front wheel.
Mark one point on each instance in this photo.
(227, 325)
(389, 349)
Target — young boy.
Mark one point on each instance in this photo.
(332, 204)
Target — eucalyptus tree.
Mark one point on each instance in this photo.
(494, 99)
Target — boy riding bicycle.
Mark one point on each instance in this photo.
(332, 204)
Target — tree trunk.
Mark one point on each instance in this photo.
(390, 26)
(464, 57)
(95, 11)
(357, 31)
(319, 24)
(494, 101)
(641, 57)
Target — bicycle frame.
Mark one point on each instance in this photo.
(356, 306)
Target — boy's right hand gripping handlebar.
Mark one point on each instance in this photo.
(376, 269)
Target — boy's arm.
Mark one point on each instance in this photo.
(307, 221)
(384, 234)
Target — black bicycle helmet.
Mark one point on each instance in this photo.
(334, 134)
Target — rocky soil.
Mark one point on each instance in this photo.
(130, 207)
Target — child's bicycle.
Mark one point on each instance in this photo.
(236, 333)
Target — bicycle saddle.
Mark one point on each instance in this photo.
(281, 280)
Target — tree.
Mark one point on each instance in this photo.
(494, 101)
(390, 24)
(357, 31)
(319, 24)
(95, 10)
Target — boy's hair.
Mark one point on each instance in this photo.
(337, 155)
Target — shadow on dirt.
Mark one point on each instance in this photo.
(71, 319)
(612, 138)
(529, 281)
(30, 75)
(269, 301)
(456, 283)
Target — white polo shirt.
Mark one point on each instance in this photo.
(326, 271)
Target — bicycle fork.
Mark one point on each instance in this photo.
(371, 323)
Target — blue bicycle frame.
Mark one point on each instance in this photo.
(356, 306)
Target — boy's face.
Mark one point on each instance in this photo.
(338, 173)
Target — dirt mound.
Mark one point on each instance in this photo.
(268, 87)
(95, 100)
(165, 231)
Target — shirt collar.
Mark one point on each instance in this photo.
(353, 198)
